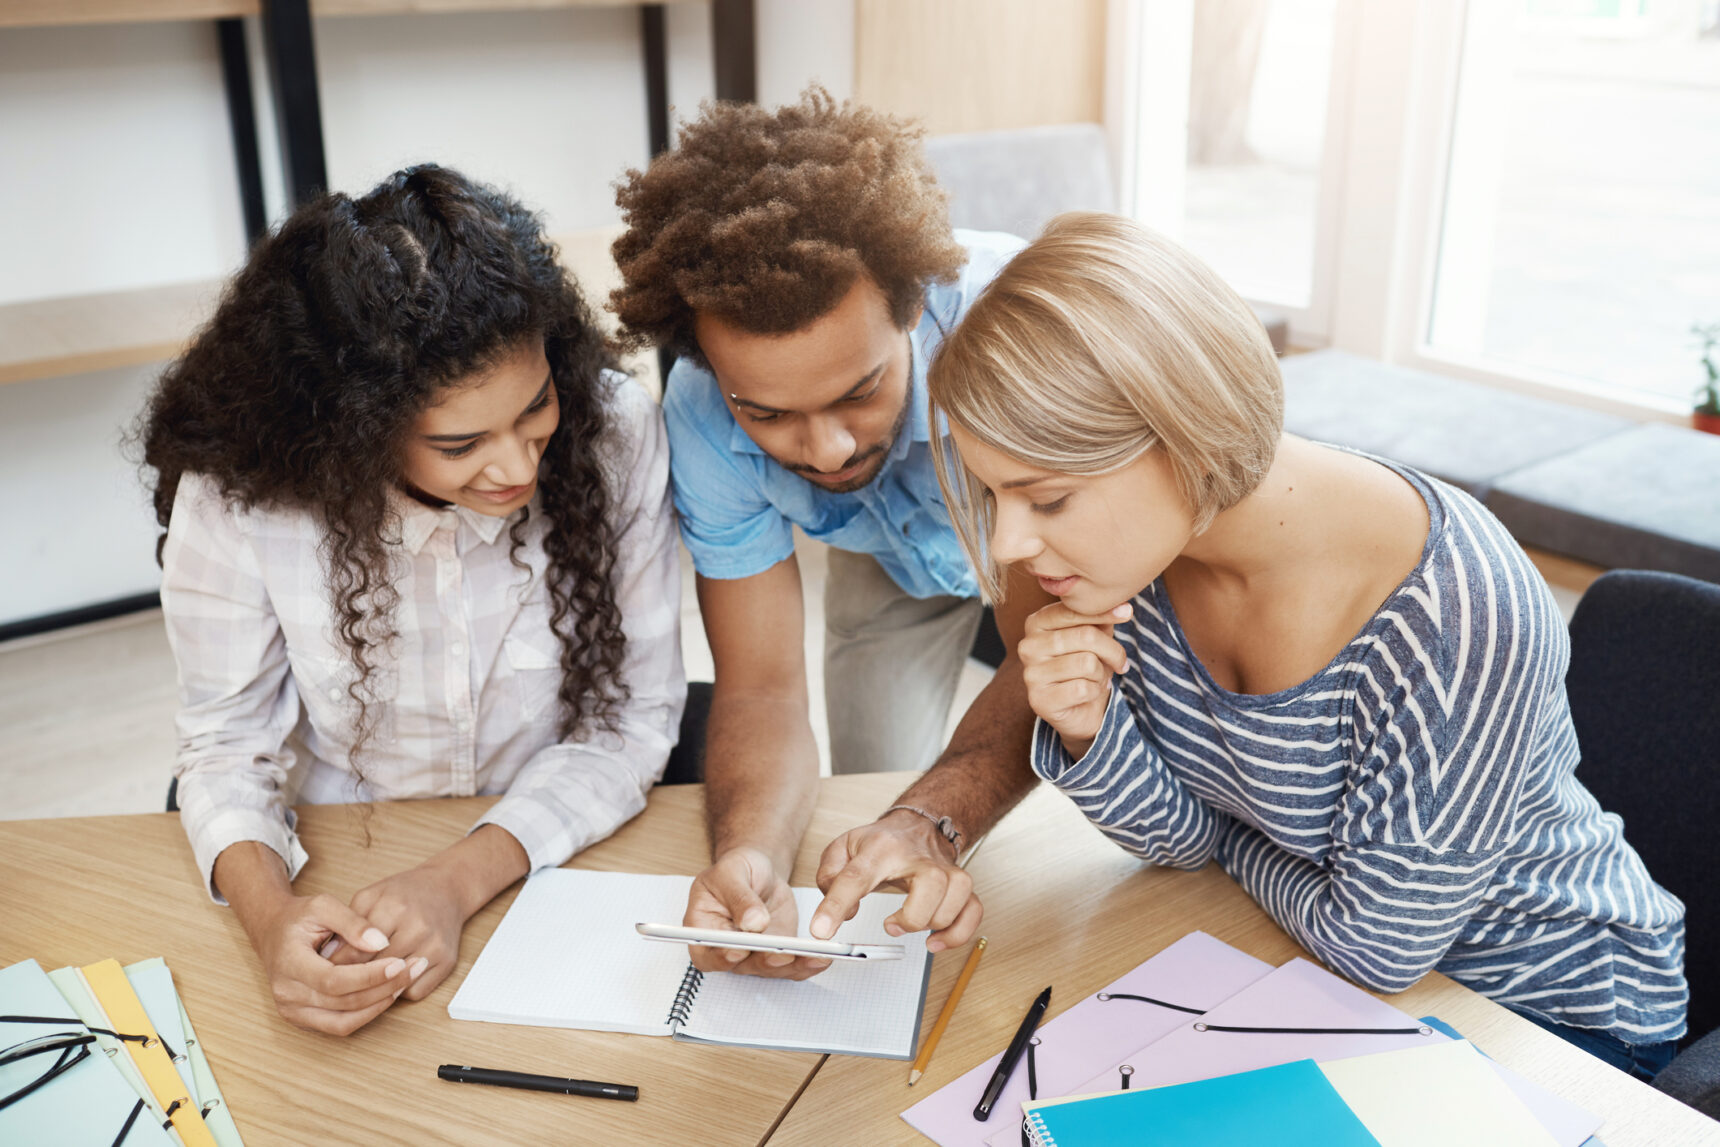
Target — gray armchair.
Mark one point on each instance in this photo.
(1018, 180)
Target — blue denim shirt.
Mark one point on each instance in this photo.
(738, 507)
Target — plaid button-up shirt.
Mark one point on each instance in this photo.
(464, 698)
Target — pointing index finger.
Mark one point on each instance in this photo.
(841, 900)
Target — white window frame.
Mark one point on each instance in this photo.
(1391, 112)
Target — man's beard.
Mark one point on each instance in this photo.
(880, 450)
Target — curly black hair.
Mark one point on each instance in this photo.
(342, 327)
(764, 219)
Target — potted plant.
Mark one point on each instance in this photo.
(1707, 413)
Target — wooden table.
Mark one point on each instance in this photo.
(1063, 906)
(80, 889)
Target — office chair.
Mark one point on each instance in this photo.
(1644, 688)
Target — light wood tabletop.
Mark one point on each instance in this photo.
(77, 890)
(1066, 907)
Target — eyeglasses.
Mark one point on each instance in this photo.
(72, 1046)
(67, 1049)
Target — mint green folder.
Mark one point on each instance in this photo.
(89, 1102)
(1291, 1105)
(153, 983)
(71, 985)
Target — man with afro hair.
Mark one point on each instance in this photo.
(801, 266)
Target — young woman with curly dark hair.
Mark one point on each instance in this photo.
(417, 543)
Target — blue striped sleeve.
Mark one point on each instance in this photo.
(1124, 787)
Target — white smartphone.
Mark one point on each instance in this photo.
(762, 942)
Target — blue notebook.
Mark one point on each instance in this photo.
(1291, 1105)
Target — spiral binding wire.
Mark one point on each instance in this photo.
(685, 995)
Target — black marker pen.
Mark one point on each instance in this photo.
(521, 1079)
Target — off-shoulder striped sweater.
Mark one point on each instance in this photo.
(1413, 806)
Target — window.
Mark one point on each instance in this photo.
(1231, 138)
(1521, 192)
(1580, 235)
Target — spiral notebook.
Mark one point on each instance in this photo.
(1288, 1105)
(566, 955)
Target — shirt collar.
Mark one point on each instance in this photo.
(918, 428)
(418, 521)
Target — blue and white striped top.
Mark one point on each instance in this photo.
(1413, 806)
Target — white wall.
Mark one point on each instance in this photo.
(116, 162)
(116, 171)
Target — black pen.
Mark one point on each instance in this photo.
(538, 1082)
(1006, 1065)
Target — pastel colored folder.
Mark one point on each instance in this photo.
(107, 982)
(70, 984)
(1301, 995)
(1288, 1105)
(153, 983)
(1434, 1096)
(89, 1102)
(1197, 972)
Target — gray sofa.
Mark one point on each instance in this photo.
(1602, 489)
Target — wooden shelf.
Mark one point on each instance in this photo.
(49, 338)
(430, 7)
(49, 13)
(52, 13)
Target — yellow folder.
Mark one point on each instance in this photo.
(114, 993)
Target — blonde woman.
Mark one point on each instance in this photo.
(1339, 678)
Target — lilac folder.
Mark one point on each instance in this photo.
(1195, 972)
(1302, 995)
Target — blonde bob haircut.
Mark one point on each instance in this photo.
(1099, 341)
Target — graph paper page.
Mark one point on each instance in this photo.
(566, 955)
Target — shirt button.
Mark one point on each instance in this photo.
(334, 694)
(461, 724)
(457, 649)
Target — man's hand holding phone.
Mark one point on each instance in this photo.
(741, 892)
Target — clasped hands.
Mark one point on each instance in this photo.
(334, 967)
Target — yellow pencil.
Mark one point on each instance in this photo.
(926, 1049)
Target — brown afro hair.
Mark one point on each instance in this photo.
(763, 219)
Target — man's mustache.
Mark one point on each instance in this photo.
(801, 468)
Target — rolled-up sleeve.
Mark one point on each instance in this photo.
(578, 791)
(237, 700)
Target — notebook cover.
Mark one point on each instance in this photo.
(1288, 1105)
